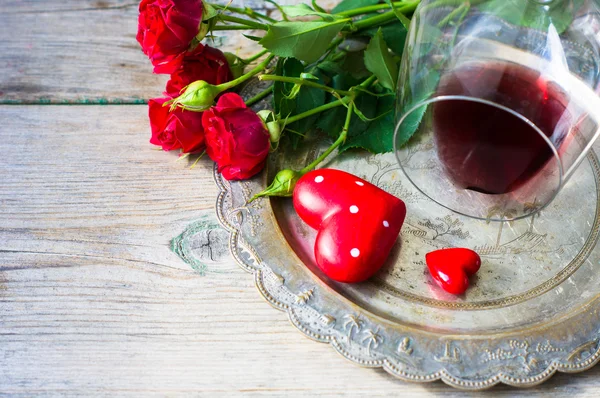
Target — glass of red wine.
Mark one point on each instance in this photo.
(497, 102)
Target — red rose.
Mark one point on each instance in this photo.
(175, 130)
(166, 29)
(236, 138)
(204, 63)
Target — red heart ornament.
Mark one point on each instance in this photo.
(358, 223)
(451, 268)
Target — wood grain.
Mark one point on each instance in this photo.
(93, 302)
(85, 51)
(67, 51)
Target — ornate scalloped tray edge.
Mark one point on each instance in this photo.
(411, 355)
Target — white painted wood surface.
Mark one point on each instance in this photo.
(85, 51)
(92, 300)
(72, 50)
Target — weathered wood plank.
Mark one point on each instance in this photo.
(83, 51)
(93, 302)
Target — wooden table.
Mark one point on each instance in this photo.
(92, 299)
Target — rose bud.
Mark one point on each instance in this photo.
(273, 126)
(197, 97)
(209, 20)
(176, 129)
(203, 63)
(283, 185)
(236, 138)
(236, 64)
(166, 29)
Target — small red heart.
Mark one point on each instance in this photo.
(451, 268)
(358, 223)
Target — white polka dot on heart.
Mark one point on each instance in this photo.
(386, 224)
(319, 179)
(355, 252)
(353, 209)
(360, 184)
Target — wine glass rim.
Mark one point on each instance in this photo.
(501, 107)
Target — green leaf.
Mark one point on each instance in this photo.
(374, 94)
(379, 135)
(394, 35)
(302, 10)
(308, 76)
(330, 68)
(288, 67)
(347, 5)
(430, 34)
(534, 15)
(295, 91)
(253, 38)
(309, 98)
(209, 12)
(290, 99)
(361, 115)
(380, 62)
(354, 64)
(430, 38)
(317, 6)
(306, 41)
(427, 81)
(283, 14)
(368, 119)
(332, 121)
(401, 17)
(410, 125)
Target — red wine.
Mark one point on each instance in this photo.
(490, 150)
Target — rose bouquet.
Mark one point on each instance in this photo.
(333, 72)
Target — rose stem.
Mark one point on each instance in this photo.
(255, 57)
(385, 18)
(369, 9)
(285, 18)
(230, 27)
(330, 51)
(197, 160)
(259, 68)
(260, 96)
(380, 19)
(441, 3)
(245, 11)
(182, 156)
(341, 139)
(322, 108)
(242, 21)
(317, 7)
(303, 82)
(344, 101)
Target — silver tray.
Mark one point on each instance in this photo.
(532, 309)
